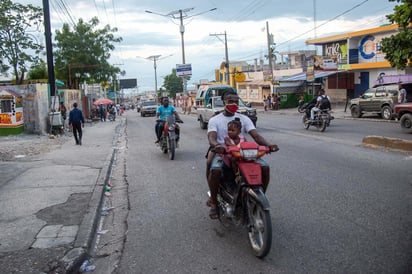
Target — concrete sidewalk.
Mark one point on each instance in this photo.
(50, 202)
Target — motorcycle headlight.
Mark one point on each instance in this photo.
(249, 154)
(171, 128)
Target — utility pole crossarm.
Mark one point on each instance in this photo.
(226, 55)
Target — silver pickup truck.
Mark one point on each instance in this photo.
(215, 106)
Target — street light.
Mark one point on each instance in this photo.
(155, 59)
(182, 15)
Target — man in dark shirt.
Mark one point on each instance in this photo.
(76, 121)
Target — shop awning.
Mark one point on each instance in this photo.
(302, 76)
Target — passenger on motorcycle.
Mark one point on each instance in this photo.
(217, 131)
(233, 138)
(322, 103)
(163, 111)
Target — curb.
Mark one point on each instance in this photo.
(86, 234)
(392, 143)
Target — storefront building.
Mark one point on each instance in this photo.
(357, 59)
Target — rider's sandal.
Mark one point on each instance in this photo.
(213, 213)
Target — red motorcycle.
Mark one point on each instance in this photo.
(168, 140)
(241, 200)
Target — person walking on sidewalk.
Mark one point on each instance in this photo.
(63, 111)
(76, 121)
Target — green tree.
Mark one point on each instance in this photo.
(85, 51)
(18, 47)
(398, 47)
(173, 84)
(38, 71)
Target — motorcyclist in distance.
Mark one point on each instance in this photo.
(163, 111)
(310, 105)
(319, 101)
(217, 130)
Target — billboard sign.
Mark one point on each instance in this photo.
(128, 83)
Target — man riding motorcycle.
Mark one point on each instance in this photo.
(163, 111)
(217, 130)
(322, 103)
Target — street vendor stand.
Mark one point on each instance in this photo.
(11, 112)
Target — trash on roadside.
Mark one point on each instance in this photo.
(86, 267)
(107, 208)
(102, 232)
(107, 193)
(107, 188)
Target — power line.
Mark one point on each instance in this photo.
(324, 23)
(65, 12)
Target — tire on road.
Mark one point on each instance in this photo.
(386, 113)
(355, 111)
(406, 123)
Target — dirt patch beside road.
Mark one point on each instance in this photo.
(26, 145)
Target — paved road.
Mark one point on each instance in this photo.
(337, 207)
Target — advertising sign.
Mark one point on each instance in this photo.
(310, 72)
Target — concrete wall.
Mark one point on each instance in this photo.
(36, 106)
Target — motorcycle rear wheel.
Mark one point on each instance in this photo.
(260, 228)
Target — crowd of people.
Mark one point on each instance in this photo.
(271, 102)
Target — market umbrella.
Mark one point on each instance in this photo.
(103, 101)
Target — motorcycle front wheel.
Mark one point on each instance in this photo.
(172, 148)
(323, 124)
(260, 228)
(305, 121)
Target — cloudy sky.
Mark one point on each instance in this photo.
(145, 34)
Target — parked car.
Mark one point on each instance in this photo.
(404, 114)
(148, 108)
(379, 100)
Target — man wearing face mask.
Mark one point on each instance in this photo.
(216, 132)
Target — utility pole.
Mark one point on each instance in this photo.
(270, 55)
(155, 59)
(49, 48)
(182, 15)
(227, 76)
